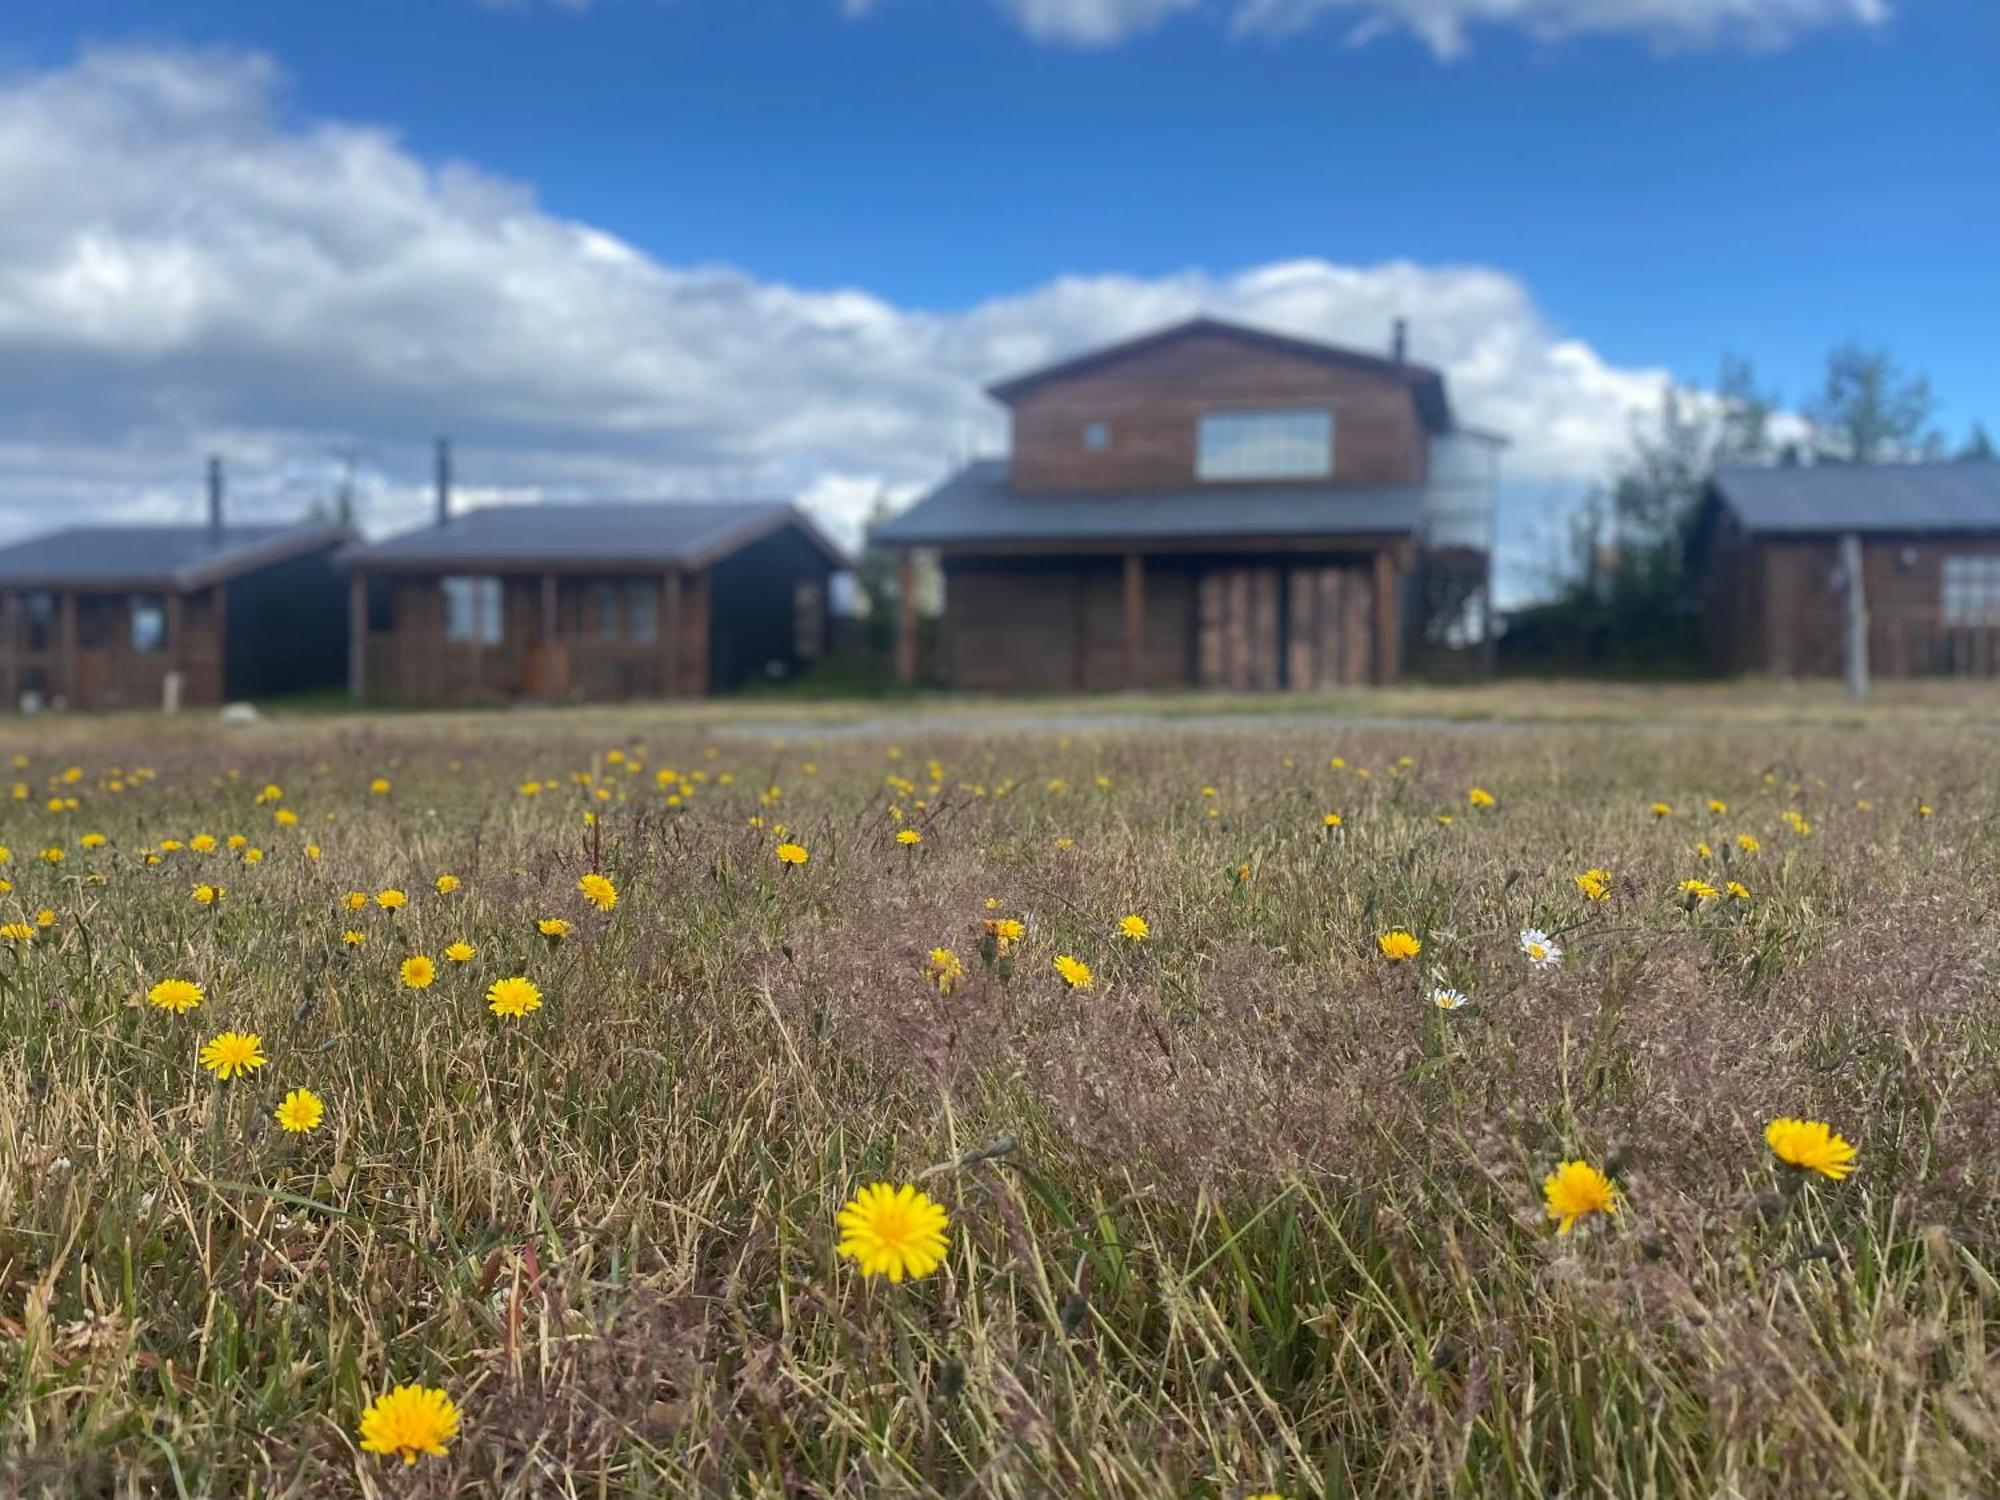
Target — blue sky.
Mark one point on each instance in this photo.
(1566, 206)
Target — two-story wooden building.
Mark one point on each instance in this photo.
(107, 616)
(590, 600)
(1210, 505)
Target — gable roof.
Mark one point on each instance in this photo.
(978, 505)
(1426, 384)
(1823, 498)
(155, 557)
(608, 533)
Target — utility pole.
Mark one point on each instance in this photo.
(1855, 653)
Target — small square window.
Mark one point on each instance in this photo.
(1096, 436)
(149, 624)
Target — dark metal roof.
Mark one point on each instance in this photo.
(977, 505)
(622, 533)
(154, 557)
(1426, 385)
(1952, 497)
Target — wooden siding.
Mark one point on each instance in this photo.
(1152, 401)
(87, 659)
(1058, 625)
(1775, 606)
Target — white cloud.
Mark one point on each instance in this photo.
(1443, 25)
(198, 275)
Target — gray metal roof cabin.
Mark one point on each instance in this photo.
(1767, 548)
(104, 616)
(588, 600)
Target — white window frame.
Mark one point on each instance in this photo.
(1969, 590)
(473, 609)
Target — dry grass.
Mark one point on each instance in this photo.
(1249, 1215)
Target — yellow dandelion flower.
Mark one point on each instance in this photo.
(284, 817)
(1134, 927)
(1748, 843)
(1594, 883)
(1663, 809)
(1811, 1146)
(555, 929)
(1075, 972)
(1332, 820)
(418, 972)
(513, 997)
(1717, 806)
(893, 1232)
(444, 885)
(908, 836)
(18, 932)
(792, 854)
(1398, 945)
(598, 891)
(208, 895)
(1738, 890)
(45, 918)
(1697, 890)
(300, 1110)
(379, 787)
(945, 970)
(354, 937)
(411, 1419)
(460, 952)
(391, 899)
(1480, 797)
(92, 841)
(1574, 1191)
(52, 855)
(202, 843)
(176, 995)
(232, 1054)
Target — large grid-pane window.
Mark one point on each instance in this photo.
(472, 610)
(1265, 445)
(1972, 590)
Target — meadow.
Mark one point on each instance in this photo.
(1315, 1110)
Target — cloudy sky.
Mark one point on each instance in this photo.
(753, 247)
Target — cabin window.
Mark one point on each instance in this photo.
(1265, 445)
(808, 619)
(604, 609)
(1096, 436)
(472, 610)
(642, 610)
(1972, 590)
(38, 620)
(149, 624)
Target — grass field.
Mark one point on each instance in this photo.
(1249, 1214)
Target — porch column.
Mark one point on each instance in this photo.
(10, 637)
(551, 651)
(66, 635)
(1388, 616)
(1135, 618)
(906, 617)
(357, 635)
(670, 633)
(701, 606)
(221, 592)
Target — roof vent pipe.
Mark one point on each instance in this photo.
(215, 501)
(443, 481)
(1399, 340)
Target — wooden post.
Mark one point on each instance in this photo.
(551, 651)
(1388, 616)
(10, 636)
(66, 628)
(221, 643)
(906, 617)
(1135, 619)
(1856, 615)
(700, 606)
(357, 636)
(670, 634)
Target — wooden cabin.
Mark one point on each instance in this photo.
(588, 601)
(1768, 552)
(1212, 506)
(107, 616)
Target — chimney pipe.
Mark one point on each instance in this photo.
(215, 501)
(1399, 340)
(444, 481)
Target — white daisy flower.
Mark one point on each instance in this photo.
(1444, 997)
(1542, 952)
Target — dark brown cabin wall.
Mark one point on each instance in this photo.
(1152, 401)
(102, 670)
